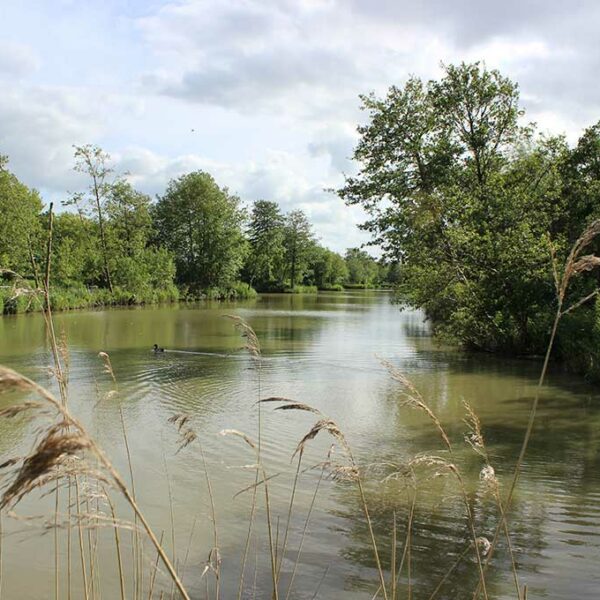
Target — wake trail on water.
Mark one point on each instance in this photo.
(198, 353)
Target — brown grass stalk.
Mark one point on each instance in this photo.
(253, 347)
(457, 562)
(11, 379)
(187, 436)
(306, 522)
(81, 547)
(137, 553)
(353, 473)
(155, 569)
(406, 552)
(69, 544)
(393, 558)
(117, 547)
(56, 545)
(172, 518)
(289, 516)
(476, 440)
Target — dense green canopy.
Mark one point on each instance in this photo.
(469, 201)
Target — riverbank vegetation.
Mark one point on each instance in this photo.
(114, 245)
(473, 202)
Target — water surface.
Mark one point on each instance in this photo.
(322, 350)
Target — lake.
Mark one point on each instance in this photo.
(323, 350)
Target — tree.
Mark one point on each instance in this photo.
(136, 266)
(298, 242)
(75, 259)
(265, 236)
(462, 196)
(479, 110)
(19, 221)
(580, 172)
(201, 224)
(94, 162)
(328, 268)
(129, 221)
(362, 268)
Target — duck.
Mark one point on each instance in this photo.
(156, 349)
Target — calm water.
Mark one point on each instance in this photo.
(320, 350)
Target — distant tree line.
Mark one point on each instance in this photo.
(473, 203)
(115, 245)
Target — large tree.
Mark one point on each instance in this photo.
(299, 240)
(201, 224)
(362, 268)
(265, 237)
(460, 193)
(136, 264)
(129, 223)
(75, 254)
(94, 162)
(328, 268)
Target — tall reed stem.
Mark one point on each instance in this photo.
(118, 548)
(81, 548)
(365, 509)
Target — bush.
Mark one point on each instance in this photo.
(577, 341)
(243, 291)
(12, 303)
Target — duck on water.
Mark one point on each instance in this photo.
(158, 350)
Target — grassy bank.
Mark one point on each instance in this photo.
(22, 298)
(25, 300)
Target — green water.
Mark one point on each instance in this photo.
(321, 350)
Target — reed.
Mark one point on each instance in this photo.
(187, 436)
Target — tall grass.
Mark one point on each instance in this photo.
(66, 455)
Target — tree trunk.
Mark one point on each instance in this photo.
(102, 236)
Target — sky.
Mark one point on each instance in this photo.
(263, 94)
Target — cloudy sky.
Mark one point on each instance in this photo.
(263, 94)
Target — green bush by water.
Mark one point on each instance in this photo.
(70, 298)
(302, 289)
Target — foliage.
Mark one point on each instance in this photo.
(75, 257)
(363, 269)
(298, 243)
(265, 261)
(130, 224)
(329, 269)
(95, 163)
(19, 224)
(466, 200)
(201, 224)
(302, 289)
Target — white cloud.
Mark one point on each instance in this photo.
(279, 177)
(269, 87)
(17, 60)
